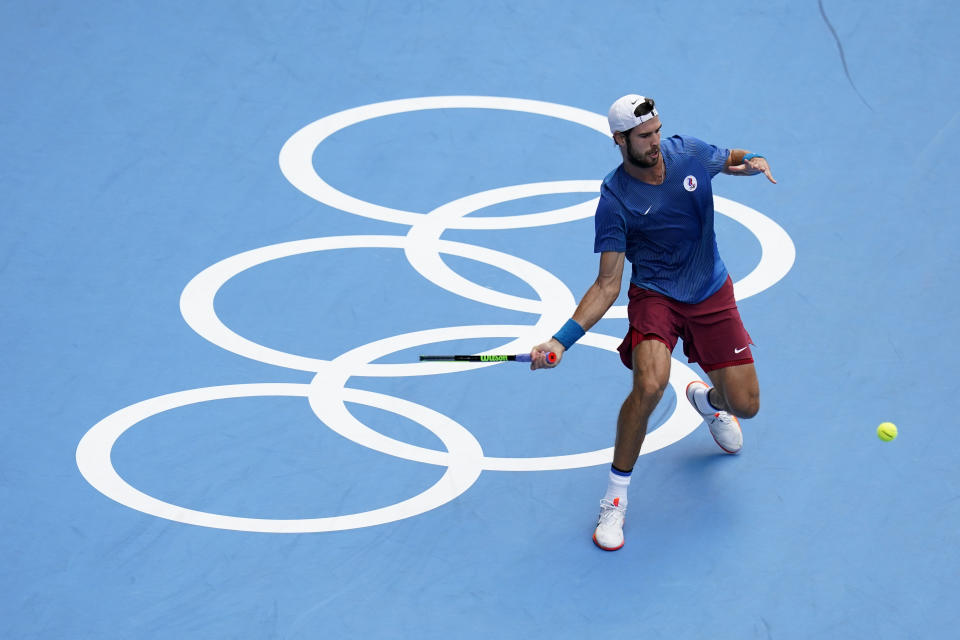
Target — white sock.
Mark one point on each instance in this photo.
(617, 488)
(701, 398)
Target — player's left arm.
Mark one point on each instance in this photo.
(738, 164)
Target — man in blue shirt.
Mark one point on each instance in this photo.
(656, 210)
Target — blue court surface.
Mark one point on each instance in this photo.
(229, 229)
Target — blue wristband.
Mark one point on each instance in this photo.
(569, 333)
(750, 156)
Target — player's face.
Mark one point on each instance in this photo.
(642, 144)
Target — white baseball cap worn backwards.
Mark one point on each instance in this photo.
(629, 111)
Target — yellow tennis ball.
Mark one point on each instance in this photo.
(887, 431)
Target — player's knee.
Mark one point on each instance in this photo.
(649, 388)
(746, 405)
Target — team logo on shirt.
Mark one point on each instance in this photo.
(690, 183)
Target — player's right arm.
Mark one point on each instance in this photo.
(597, 301)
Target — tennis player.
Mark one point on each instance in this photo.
(656, 209)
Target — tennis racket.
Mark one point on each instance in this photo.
(520, 357)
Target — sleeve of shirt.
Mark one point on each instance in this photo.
(711, 157)
(611, 230)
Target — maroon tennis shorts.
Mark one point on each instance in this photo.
(712, 332)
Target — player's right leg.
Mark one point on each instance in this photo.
(651, 374)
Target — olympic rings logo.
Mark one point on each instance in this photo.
(328, 393)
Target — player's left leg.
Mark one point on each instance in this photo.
(735, 393)
(736, 390)
(715, 338)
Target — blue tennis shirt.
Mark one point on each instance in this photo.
(666, 230)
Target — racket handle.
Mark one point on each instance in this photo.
(525, 357)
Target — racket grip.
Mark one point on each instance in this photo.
(525, 357)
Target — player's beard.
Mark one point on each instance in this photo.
(642, 160)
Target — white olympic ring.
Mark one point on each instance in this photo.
(197, 308)
(296, 155)
(93, 460)
(328, 394)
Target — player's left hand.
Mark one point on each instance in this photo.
(752, 167)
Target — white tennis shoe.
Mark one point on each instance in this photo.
(609, 532)
(724, 427)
